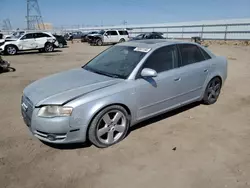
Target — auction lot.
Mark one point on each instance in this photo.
(195, 147)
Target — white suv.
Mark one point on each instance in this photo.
(41, 41)
(108, 37)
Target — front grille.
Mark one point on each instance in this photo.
(27, 109)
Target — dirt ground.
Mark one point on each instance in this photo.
(195, 147)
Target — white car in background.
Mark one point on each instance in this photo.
(108, 37)
(42, 41)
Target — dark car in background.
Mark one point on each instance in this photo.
(61, 41)
(84, 37)
(152, 35)
(75, 34)
(1, 36)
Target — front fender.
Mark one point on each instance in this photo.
(85, 112)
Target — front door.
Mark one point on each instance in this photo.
(192, 73)
(157, 94)
(27, 42)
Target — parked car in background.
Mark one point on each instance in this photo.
(84, 37)
(108, 37)
(16, 34)
(41, 41)
(75, 34)
(125, 84)
(152, 35)
(1, 36)
(61, 41)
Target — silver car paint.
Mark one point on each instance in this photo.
(88, 93)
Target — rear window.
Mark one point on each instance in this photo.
(205, 54)
(123, 32)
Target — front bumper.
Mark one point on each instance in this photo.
(1, 49)
(53, 130)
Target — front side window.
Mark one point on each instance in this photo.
(162, 59)
(27, 36)
(190, 54)
(116, 61)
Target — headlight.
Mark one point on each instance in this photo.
(55, 111)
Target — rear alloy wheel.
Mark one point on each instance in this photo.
(212, 91)
(122, 40)
(11, 50)
(99, 42)
(48, 47)
(109, 127)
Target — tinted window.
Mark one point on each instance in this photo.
(113, 33)
(190, 54)
(27, 36)
(117, 61)
(40, 35)
(162, 59)
(205, 54)
(123, 32)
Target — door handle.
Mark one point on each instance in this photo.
(205, 70)
(177, 79)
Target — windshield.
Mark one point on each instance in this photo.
(101, 32)
(139, 36)
(117, 61)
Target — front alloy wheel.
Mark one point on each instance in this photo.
(11, 50)
(109, 126)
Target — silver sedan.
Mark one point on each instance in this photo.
(125, 84)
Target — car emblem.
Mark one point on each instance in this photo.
(25, 107)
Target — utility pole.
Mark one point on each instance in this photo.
(34, 16)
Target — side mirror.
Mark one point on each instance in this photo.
(105, 34)
(146, 72)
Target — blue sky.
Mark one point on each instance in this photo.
(113, 12)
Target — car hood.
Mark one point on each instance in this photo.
(94, 35)
(60, 88)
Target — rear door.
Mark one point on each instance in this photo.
(41, 39)
(124, 34)
(192, 73)
(27, 42)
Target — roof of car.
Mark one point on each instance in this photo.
(152, 43)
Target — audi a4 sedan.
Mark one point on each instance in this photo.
(123, 85)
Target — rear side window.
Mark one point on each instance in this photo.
(205, 54)
(190, 54)
(40, 35)
(162, 59)
(123, 32)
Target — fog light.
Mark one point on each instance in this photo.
(51, 137)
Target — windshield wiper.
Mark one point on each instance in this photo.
(102, 73)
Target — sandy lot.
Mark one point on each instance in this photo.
(212, 142)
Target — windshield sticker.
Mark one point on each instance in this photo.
(146, 50)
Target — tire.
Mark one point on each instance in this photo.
(49, 47)
(212, 91)
(104, 133)
(99, 42)
(60, 45)
(11, 50)
(121, 40)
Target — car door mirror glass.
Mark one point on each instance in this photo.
(146, 72)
